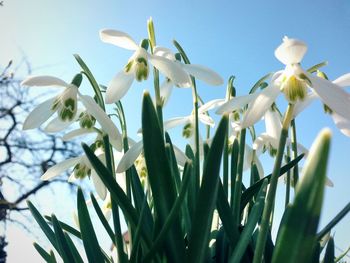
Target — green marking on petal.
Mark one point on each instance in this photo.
(187, 130)
(86, 120)
(294, 88)
(81, 171)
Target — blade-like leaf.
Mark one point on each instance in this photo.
(329, 255)
(66, 227)
(64, 248)
(207, 197)
(87, 231)
(49, 258)
(73, 249)
(160, 179)
(252, 190)
(297, 234)
(248, 230)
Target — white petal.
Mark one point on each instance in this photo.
(211, 105)
(236, 103)
(39, 115)
(99, 185)
(203, 73)
(172, 70)
(165, 90)
(57, 125)
(180, 156)
(164, 52)
(265, 139)
(118, 38)
(301, 105)
(106, 123)
(119, 86)
(169, 124)
(260, 105)
(343, 81)
(44, 81)
(291, 51)
(259, 167)
(121, 180)
(76, 133)
(130, 157)
(207, 120)
(60, 168)
(273, 123)
(342, 123)
(332, 95)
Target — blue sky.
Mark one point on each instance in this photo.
(233, 37)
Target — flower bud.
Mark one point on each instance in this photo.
(78, 78)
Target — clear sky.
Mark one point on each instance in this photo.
(233, 37)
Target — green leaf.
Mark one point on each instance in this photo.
(103, 219)
(73, 249)
(66, 227)
(64, 248)
(50, 258)
(297, 234)
(253, 190)
(175, 211)
(207, 197)
(117, 193)
(329, 255)
(333, 222)
(43, 225)
(248, 230)
(160, 179)
(92, 248)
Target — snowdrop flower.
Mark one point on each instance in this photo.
(81, 169)
(294, 82)
(198, 71)
(138, 66)
(66, 106)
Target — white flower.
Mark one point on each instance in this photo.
(198, 71)
(137, 66)
(294, 82)
(66, 106)
(82, 168)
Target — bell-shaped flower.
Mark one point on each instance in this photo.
(81, 169)
(198, 71)
(294, 82)
(65, 104)
(138, 66)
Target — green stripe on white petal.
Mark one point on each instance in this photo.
(106, 123)
(39, 115)
(291, 51)
(260, 105)
(60, 168)
(57, 125)
(169, 124)
(236, 103)
(99, 186)
(264, 139)
(343, 81)
(130, 157)
(118, 38)
(76, 133)
(44, 81)
(342, 123)
(119, 86)
(203, 73)
(172, 70)
(332, 95)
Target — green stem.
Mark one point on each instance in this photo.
(159, 102)
(234, 161)
(225, 164)
(238, 181)
(287, 180)
(295, 152)
(270, 200)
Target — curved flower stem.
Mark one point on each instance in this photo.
(270, 199)
(159, 102)
(295, 152)
(287, 179)
(196, 119)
